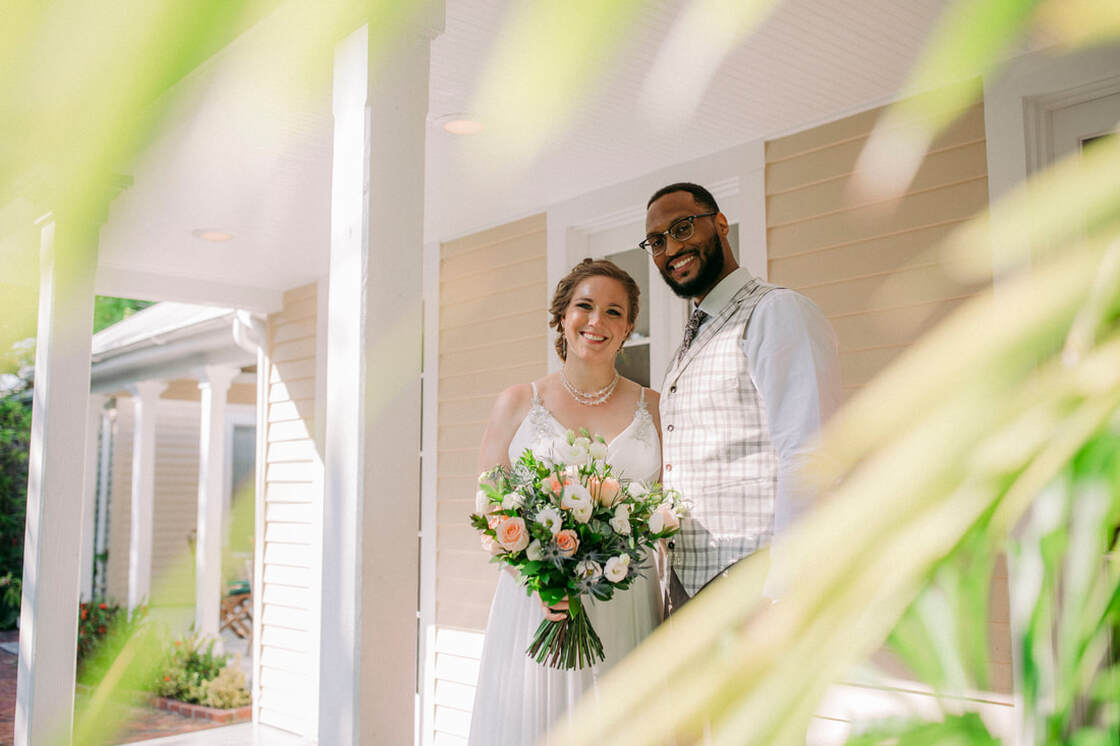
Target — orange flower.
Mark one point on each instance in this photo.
(104, 605)
(567, 542)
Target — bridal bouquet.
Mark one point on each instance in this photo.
(570, 528)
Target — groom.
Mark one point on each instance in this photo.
(745, 395)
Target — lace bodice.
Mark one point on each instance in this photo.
(635, 453)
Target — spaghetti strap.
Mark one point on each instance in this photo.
(641, 396)
(536, 396)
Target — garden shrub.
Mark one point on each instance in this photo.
(15, 439)
(192, 672)
(103, 629)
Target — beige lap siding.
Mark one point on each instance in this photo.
(493, 324)
(293, 498)
(873, 268)
(175, 502)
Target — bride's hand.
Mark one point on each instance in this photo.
(558, 612)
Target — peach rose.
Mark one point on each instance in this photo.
(552, 484)
(606, 492)
(495, 520)
(663, 519)
(513, 535)
(491, 546)
(567, 542)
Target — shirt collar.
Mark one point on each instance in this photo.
(724, 291)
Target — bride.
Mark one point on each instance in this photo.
(593, 310)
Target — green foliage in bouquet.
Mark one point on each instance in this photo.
(570, 529)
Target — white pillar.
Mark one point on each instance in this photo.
(371, 481)
(89, 495)
(101, 537)
(145, 400)
(212, 481)
(49, 614)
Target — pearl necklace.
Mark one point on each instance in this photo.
(589, 398)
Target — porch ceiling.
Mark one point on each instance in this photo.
(246, 146)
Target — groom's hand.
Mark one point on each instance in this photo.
(558, 612)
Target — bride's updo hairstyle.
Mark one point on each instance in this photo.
(566, 288)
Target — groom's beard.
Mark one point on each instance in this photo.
(711, 265)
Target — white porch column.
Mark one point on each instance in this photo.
(372, 486)
(212, 481)
(89, 495)
(49, 614)
(145, 399)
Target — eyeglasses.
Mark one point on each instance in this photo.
(681, 230)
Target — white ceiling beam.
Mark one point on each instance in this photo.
(118, 282)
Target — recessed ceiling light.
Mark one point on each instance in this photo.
(459, 124)
(209, 234)
(463, 127)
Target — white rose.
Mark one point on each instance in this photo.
(584, 443)
(589, 570)
(621, 525)
(622, 510)
(638, 489)
(572, 454)
(481, 502)
(656, 522)
(598, 451)
(550, 519)
(574, 494)
(533, 551)
(617, 568)
(513, 501)
(582, 512)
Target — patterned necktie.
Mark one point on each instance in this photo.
(690, 329)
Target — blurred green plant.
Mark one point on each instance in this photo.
(103, 629)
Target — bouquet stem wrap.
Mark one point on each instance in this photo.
(569, 643)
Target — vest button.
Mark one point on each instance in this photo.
(673, 389)
(672, 545)
(668, 467)
(669, 428)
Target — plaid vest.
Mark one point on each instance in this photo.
(716, 447)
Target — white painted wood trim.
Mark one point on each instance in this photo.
(90, 485)
(122, 282)
(264, 372)
(213, 488)
(340, 643)
(428, 493)
(145, 404)
(44, 710)
(1016, 103)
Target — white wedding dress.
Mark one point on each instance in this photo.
(518, 699)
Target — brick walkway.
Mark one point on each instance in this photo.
(143, 722)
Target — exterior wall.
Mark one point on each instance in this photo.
(176, 500)
(175, 516)
(493, 324)
(288, 642)
(872, 268)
